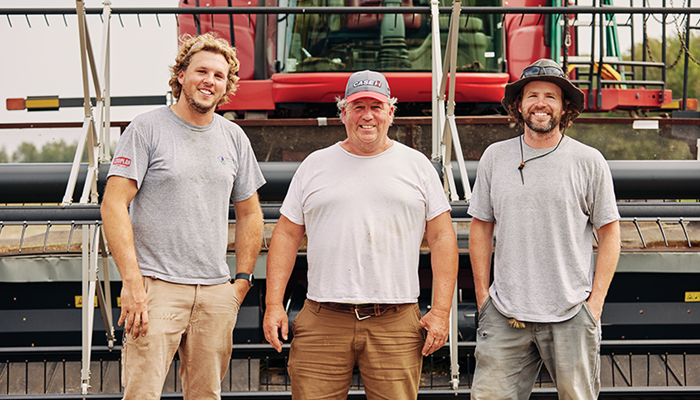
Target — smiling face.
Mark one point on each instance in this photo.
(542, 107)
(367, 123)
(204, 82)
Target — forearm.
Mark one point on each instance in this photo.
(606, 261)
(248, 239)
(480, 251)
(444, 259)
(120, 239)
(280, 259)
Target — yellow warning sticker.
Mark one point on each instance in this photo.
(692, 296)
(79, 301)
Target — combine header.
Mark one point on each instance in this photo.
(55, 265)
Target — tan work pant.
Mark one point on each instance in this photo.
(328, 344)
(195, 320)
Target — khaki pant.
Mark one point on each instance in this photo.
(197, 321)
(328, 344)
(508, 359)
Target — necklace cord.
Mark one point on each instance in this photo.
(523, 161)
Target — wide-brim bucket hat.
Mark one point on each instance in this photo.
(548, 71)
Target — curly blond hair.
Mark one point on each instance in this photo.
(571, 111)
(207, 42)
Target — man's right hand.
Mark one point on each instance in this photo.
(134, 309)
(274, 321)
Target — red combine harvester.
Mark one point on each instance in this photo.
(296, 65)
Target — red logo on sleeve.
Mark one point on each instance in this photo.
(122, 162)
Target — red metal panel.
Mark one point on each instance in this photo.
(244, 31)
(630, 99)
(251, 95)
(524, 37)
(406, 86)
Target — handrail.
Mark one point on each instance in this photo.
(355, 10)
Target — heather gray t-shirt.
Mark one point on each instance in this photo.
(186, 175)
(544, 263)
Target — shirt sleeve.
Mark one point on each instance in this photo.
(604, 208)
(132, 155)
(249, 178)
(292, 206)
(436, 198)
(480, 205)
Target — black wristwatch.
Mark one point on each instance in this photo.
(248, 277)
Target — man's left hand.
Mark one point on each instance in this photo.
(596, 308)
(437, 323)
(241, 287)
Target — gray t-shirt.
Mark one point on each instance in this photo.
(544, 262)
(186, 175)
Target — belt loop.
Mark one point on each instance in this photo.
(377, 310)
(316, 305)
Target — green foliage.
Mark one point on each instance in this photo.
(4, 158)
(50, 152)
(26, 153)
(60, 152)
(621, 142)
(674, 75)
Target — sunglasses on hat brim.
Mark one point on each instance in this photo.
(542, 71)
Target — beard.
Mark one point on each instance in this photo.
(198, 107)
(541, 127)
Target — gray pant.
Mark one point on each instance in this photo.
(508, 359)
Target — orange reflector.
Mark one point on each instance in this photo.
(42, 103)
(14, 104)
(678, 105)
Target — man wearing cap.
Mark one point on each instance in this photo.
(364, 204)
(544, 195)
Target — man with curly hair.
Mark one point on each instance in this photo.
(543, 195)
(165, 210)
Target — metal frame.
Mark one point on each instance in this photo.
(96, 137)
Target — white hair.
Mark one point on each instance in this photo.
(342, 103)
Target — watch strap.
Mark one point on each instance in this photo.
(241, 275)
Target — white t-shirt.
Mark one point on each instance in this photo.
(365, 219)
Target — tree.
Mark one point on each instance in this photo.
(675, 58)
(4, 158)
(60, 152)
(50, 152)
(26, 153)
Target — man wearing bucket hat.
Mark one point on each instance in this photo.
(543, 195)
(364, 204)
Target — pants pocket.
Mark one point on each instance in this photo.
(588, 312)
(481, 312)
(124, 357)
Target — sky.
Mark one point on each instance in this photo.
(40, 60)
(45, 60)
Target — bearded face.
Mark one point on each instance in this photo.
(542, 106)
